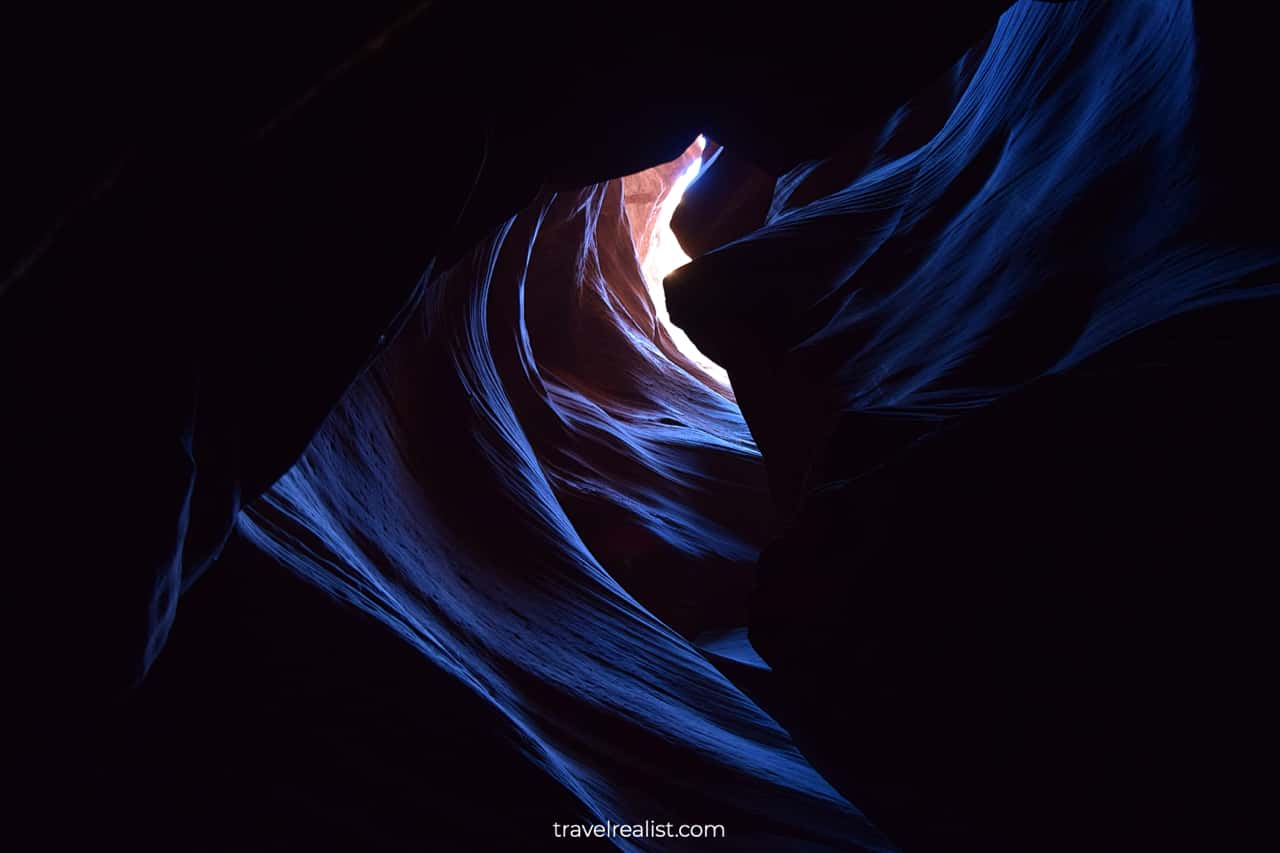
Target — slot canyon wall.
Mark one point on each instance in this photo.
(362, 500)
(997, 353)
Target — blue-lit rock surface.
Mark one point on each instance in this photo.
(362, 500)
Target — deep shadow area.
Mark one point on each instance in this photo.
(302, 727)
(360, 499)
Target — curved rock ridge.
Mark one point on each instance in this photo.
(1003, 357)
(1042, 201)
(533, 489)
(996, 284)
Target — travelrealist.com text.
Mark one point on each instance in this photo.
(648, 829)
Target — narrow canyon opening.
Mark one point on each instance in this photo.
(651, 198)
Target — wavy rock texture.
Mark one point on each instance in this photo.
(596, 495)
(1003, 354)
(998, 355)
(1041, 203)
